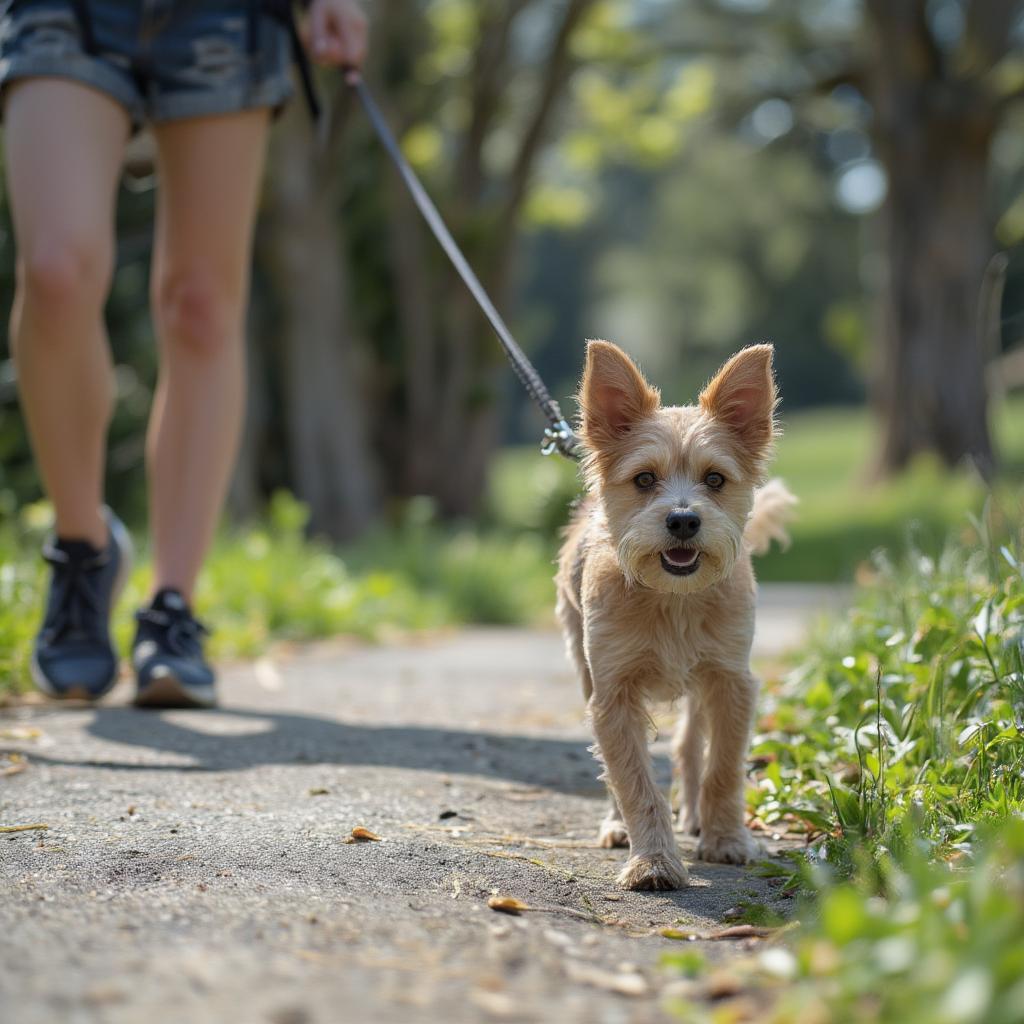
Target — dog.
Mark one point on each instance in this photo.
(656, 596)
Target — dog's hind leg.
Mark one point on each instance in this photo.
(688, 763)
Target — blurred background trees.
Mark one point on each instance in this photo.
(840, 177)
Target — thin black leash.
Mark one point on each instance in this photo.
(558, 435)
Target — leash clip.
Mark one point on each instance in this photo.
(559, 437)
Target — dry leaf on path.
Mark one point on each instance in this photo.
(507, 904)
(362, 835)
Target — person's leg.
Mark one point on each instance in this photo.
(64, 144)
(210, 170)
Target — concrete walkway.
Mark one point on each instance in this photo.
(195, 867)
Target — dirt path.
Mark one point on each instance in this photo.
(194, 869)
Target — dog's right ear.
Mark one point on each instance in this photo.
(614, 395)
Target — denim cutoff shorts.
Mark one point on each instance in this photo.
(160, 59)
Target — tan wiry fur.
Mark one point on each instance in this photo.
(638, 631)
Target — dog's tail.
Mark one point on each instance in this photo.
(773, 508)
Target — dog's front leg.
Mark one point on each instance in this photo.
(620, 724)
(729, 699)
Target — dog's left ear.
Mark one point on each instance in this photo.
(614, 396)
(743, 396)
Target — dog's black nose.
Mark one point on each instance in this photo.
(682, 523)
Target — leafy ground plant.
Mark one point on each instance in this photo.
(905, 940)
(914, 705)
(897, 747)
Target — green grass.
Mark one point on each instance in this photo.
(842, 518)
(912, 707)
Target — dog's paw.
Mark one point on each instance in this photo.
(655, 872)
(612, 834)
(688, 821)
(730, 848)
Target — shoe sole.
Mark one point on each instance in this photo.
(123, 542)
(166, 690)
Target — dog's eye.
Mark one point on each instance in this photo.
(645, 480)
(714, 480)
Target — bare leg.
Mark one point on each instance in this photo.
(210, 171)
(688, 763)
(729, 705)
(63, 146)
(620, 724)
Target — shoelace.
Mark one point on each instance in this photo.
(182, 634)
(76, 608)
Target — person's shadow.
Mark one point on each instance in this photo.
(256, 737)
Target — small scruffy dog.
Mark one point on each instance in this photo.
(656, 596)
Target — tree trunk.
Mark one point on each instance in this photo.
(933, 135)
(325, 408)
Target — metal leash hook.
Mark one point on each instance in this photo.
(558, 435)
(560, 438)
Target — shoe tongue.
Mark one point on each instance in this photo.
(169, 600)
(76, 550)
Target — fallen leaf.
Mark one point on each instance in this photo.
(21, 828)
(319, 791)
(362, 835)
(507, 904)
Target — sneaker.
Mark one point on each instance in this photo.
(168, 656)
(73, 656)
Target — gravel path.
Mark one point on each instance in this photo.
(194, 867)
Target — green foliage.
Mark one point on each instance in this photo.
(270, 581)
(908, 940)
(912, 709)
(897, 745)
(825, 457)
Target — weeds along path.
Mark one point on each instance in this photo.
(195, 865)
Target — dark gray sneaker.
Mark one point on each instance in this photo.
(168, 656)
(73, 656)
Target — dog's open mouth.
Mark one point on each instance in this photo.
(681, 561)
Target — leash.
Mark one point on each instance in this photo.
(558, 435)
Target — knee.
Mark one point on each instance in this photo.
(64, 274)
(196, 314)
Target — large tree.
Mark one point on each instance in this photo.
(932, 82)
(939, 88)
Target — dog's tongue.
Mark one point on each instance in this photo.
(681, 556)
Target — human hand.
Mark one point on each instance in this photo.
(335, 32)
